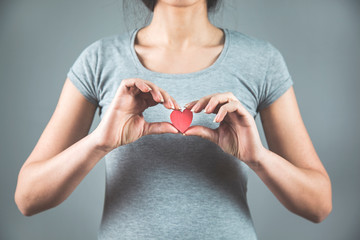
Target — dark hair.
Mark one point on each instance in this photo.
(211, 4)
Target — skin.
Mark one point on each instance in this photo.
(181, 32)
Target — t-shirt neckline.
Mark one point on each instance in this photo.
(179, 75)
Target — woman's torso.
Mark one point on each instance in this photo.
(171, 186)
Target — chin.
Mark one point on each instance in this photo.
(180, 3)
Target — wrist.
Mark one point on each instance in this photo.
(258, 161)
(98, 143)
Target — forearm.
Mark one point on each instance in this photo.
(303, 191)
(45, 184)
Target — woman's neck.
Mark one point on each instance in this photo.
(180, 27)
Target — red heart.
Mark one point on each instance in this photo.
(181, 120)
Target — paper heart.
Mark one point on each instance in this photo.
(181, 120)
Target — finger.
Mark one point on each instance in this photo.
(168, 100)
(234, 106)
(135, 83)
(177, 106)
(159, 128)
(219, 99)
(132, 85)
(155, 92)
(145, 89)
(190, 104)
(201, 103)
(223, 110)
(201, 131)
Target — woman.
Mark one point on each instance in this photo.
(161, 184)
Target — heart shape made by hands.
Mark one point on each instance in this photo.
(181, 120)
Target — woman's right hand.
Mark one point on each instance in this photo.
(124, 122)
(65, 153)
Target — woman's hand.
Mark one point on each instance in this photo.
(237, 133)
(124, 123)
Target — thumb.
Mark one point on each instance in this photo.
(159, 128)
(201, 131)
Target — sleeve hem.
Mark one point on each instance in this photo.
(77, 82)
(284, 87)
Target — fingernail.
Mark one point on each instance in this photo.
(172, 106)
(161, 100)
(204, 110)
(215, 119)
(149, 88)
(184, 134)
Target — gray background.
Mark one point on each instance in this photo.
(320, 40)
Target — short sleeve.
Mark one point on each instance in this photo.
(83, 73)
(277, 78)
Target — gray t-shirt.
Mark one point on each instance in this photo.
(171, 186)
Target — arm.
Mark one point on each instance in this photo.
(62, 157)
(65, 154)
(291, 167)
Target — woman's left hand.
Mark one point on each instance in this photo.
(237, 133)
